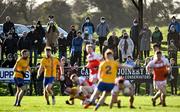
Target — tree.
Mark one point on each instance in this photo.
(158, 12)
(139, 7)
(60, 9)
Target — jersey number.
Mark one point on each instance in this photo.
(108, 70)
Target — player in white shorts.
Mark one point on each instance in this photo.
(125, 87)
(160, 69)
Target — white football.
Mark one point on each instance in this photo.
(62, 78)
(126, 91)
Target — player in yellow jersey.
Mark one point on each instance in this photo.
(50, 66)
(107, 74)
(20, 68)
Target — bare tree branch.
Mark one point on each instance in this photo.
(135, 4)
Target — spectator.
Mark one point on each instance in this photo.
(134, 34)
(76, 50)
(145, 36)
(102, 31)
(7, 25)
(9, 63)
(10, 44)
(32, 44)
(24, 42)
(174, 23)
(72, 34)
(62, 45)
(157, 36)
(39, 34)
(113, 42)
(173, 77)
(126, 46)
(120, 55)
(88, 27)
(86, 42)
(105, 47)
(1, 51)
(130, 62)
(52, 34)
(66, 82)
(14, 34)
(149, 84)
(172, 51)
(173, 35)
(137, 82)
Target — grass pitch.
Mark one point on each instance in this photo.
(37, 104)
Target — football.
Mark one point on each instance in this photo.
(126, 91)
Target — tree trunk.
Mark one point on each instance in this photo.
(139, 8)
(140, 13)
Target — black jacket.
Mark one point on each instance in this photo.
(113, 42)
(62, 44)
(10, 45)
(8, 64)
(70, 36)
(174, 36)
(7, 26)
(24, 43)
(134, 34)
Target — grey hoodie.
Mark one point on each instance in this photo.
(102, 29)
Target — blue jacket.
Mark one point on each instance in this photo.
(177, 26)
(77, 44)
(89, 27)
(130, 63)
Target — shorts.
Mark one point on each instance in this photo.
(116, 91)
(102, 86)
(93, 77)
(160, 85)
(48, 80)
(19, 82)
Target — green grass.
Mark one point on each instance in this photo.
(37, 104)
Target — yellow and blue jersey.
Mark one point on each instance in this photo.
(22, 65)
(108, 71)
(50, 66)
